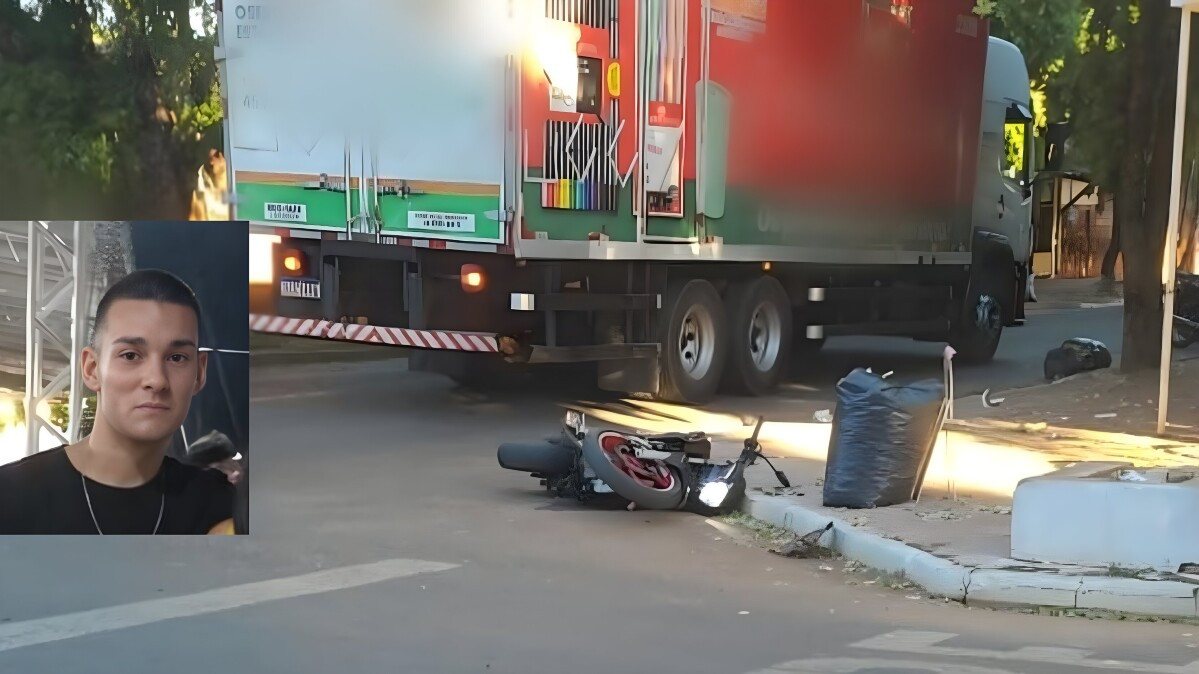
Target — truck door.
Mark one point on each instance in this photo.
(380, 116)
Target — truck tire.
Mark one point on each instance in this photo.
(979, 326)
(693, 334)
(760, 335)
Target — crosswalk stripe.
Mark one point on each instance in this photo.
(72, 625)
(854, 665)
(927, 643)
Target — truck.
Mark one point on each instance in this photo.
(692, 195)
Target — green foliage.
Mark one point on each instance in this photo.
(60, 414)
(1014, 144)
(1045, 30)
(89, 90)
(1076, 52)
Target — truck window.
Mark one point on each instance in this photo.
(1014, 142)
(1016, 163)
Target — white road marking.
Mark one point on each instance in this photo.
(72, 625)
(925, 643)
(289, 396)
(852, 665)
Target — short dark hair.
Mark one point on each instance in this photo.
(154, 285)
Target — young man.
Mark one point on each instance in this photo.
(144, 364)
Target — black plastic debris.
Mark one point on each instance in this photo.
(1186, 310)
(1076, 355)
(883, 434)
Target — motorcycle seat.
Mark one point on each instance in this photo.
(691, 444)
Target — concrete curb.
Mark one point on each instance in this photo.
(967, 584)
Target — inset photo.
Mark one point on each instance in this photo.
(124, 378)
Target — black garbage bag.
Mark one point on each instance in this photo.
(1076, 355)
(1186, 310)
(1187, 290)
(883, 434)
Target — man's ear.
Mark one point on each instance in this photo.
(202, 373)
(90, 366)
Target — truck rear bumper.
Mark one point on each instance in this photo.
(438, 340)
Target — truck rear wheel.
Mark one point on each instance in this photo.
(760, 329)
(693, 334)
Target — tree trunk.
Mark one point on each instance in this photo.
(159, 153)
(1142, 207)
(1108, 269)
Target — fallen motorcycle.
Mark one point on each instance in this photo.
(1186, 310)
(672, 471)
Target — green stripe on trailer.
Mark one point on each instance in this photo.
(325, 209)
(570, 225)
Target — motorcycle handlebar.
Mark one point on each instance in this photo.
(753, 439)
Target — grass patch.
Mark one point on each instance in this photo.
(762, 532)
(781, 541)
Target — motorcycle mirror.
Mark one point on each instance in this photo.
(209, 449)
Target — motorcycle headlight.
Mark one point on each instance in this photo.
(713, 494)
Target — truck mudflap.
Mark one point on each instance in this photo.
(433, 340)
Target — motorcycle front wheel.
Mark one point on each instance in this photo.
(648, 483)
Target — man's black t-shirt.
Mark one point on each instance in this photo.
(43, 494)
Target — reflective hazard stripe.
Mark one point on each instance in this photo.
(372, 334)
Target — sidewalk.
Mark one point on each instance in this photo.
(1105, 401)
(1087, 293)
(959, 548)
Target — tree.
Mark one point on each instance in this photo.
(106, 106)
(1114, 82)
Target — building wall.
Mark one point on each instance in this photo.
(1085, 232)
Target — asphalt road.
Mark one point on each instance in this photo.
(386, 539)
(1018, 362)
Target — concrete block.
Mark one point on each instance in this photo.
(1084, 515)
(1129, 595)
(997, 586)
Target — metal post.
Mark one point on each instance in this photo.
(80, 322)
(1170, 254)
(221, 57)
(40, 303)
(33, 361)
(1056, 242)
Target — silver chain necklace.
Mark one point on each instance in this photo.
(161, 505)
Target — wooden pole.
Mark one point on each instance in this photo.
(1170, 254)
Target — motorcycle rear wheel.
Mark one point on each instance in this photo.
(667, 498)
